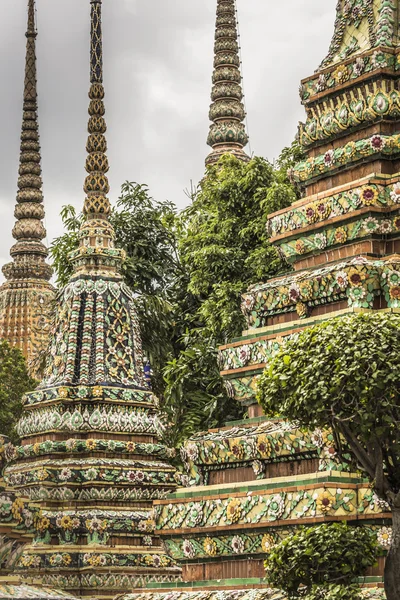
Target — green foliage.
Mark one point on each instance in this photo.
(224, 243)
(15, 381)
(345, 373)
(143, 227)
(316, 562)
(194, 376)
(63, 245)
(189, 271)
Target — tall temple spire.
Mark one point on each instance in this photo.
(227, 133)
(96, 251)
(24, 298)
(91, 455)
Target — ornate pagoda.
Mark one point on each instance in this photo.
(91, 459)
(26, 296)
(227, 133)
(16, 530)
(255, 481)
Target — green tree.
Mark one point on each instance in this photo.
(189, 271)
(223, 241)
(322, 561)
(15, 381)
(223, 247)
(345, 373)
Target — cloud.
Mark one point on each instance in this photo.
(158, 65)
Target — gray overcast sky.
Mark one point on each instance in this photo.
(158, 66)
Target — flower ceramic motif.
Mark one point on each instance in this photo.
(317, 438)
(378, 60)
(329, 158)
(10, 452)
(377, 143)
(91, 444)
(56, 560)
(42, 524)
(393, 277)
(258, 468)
(324, 502)
(321, 83)
(267, 543)
(42, 475)
(369, 195)
(302, 309)
(248, 304)
(188, 549)
(294, 292)
(359, 66)
(192, 451)
(320, 240)
(97, 391)
(355, 277)
(5, 506)
(65, 474)
(234, 511)
(370, 225)
(386, 226)
(210, 546)
(340, 74)
(237, 544)
(244, 355)
(91, 474)
(65, 522)
(131, 476)
(394, 293)
(395, 193)
(70, 445)
(236, 449)
(277, 506)
(264, 446)
(341, 279)
(385, 536)
(340, 235)
(311, 213)
(96, 524)
(300, 247)
(195, 515)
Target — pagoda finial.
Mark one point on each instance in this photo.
(27, 294)
(96, 251)
(227, 132)
(29, 252)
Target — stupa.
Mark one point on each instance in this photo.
(26, 296)
(91, 459)
(227, 132)
(255, 481)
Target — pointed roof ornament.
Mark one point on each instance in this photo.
(26, 295)
(29, 252)
(227, 133)
(97, 253)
